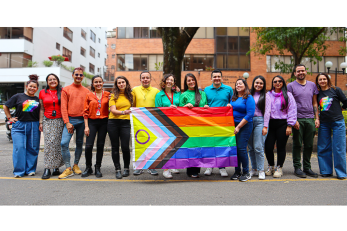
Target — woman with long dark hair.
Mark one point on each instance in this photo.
(192, 97)
(331, 149)
(95, 121)
(280, 116)
(257, 140)
(52, 125)
(243, 110)
(119, 123)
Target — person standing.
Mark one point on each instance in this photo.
(51, 124)
(95, 121)
(72, 107)
(25, 128)
(145, 97)
(218, 95)
(331, 122)
(305, 95)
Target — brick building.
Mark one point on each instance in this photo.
(225, 48)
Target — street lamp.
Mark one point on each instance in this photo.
(343, 66)
(245, 75)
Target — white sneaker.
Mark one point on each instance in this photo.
(208, 171)
(253, 173)
(31, 174)
(167, 174)
(278, 173)
(175, 171)
(270, 170)
(261, 175)
(223, 172)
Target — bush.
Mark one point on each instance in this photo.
(32, 64)
(47, 63)
(344, 113)
(58, 58)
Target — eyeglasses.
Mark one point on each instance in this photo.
(278, 81)
(80, 75)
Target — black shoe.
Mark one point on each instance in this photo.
(56, 172)
(97, 171)
(118, 174)
(46, 174)
(126, 172)
(88, 171)
(299, 173)
(236, 176)
(326, 175)
(245, 177)
(311, 173)
(341, 178)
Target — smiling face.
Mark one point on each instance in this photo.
(52, 82)
(191, 83)
(300, 73)
(278, 84)
(31, 88)
(121, 84)
(98, 83)
(145, 79)
(169, 82)
(258, 85)
(78, 76)
(216, 79)
(240, 86)
(322, 81)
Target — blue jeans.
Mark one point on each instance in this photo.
(256, 144)
(336, 149)
(241, 142)
(26, 146)
(78, 123)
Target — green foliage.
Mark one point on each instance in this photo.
(47, 63)
(84, 83)
(58, 58)
(159, 66)
(344, 113)
(89, 76)
(71, 68)
(32, 64)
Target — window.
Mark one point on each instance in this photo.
(113, 46)
(68, 34)
(67, 53)
(92, 52)
(113, 67)
(198, 62)
(83, 51)
(98, 70)
(105, 62)
(57, 45)
(113, 56)
(204, 32)
(14, 60)
(16, 33)
(92, 36)
(83, 67)
(91, 68)
(138, 32)
(154, 33)
(99, 40)
(99, 55)
(336, 35)
(130, 62)
(232, 44)
(83, 34)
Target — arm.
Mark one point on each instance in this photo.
(64, 112)
(42, 111)
(315, 110)
(241, 124)
(250, 108)
(85, 116)
(158, 102)
(292, 114)
(86, 127)
(8, 115)
(117, 112)
(204, 99)
(342, 97)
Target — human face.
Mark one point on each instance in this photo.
(240, 86)
(322, 81)
(98, 84)
(216, 79)
(258, 85)
(52, 82)
(169, 82)
(278, 84)
(145, 80)
(191, 83)
(121, 84)
(31, 89)
(300, 73)
(77, 76)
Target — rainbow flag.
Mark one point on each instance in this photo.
(168, 138)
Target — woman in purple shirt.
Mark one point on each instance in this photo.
(281, 111)
(257, 140)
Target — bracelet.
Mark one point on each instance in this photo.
(123, 112)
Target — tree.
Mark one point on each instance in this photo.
(175, 42)
(299, 41)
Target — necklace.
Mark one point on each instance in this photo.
(99, 103)
(171, 100)
(144, 95)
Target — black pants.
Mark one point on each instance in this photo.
(96, 126)
(276, 134)
(193, 171)
(118, 128)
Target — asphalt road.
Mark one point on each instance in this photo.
(156, 190)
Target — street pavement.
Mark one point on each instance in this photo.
(156, 190)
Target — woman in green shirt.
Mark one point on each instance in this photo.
(192, 97)
(168, 97)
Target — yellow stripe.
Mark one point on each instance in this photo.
(208, 131)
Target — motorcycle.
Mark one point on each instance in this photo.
(9, 125)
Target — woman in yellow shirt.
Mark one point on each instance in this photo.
(119, 123)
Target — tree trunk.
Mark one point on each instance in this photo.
(175, 43)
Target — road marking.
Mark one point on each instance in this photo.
(131, 181)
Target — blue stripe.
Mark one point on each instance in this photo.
(184, 153)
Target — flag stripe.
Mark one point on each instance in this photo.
(184, 153)
(197, 112)
(188, 121)
(208, 131)
(219, 162)
(194, 142)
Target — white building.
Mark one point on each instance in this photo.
(84, 46)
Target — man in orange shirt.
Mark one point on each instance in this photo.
(72, 107)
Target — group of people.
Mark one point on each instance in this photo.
(262, 119)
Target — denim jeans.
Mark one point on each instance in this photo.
(241, 142)
(78, 123)
(329, 148)
(256, 144)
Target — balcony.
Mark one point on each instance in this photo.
(17, 33)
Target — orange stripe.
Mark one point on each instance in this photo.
(193, 121)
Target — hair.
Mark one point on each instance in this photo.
(145, 72)
(236, 94)
(261, 101)
(163, 81)
(33, 79)
(94, 77)
(328, 79)
(58, 86)
(216, 71)
(196, 88)
(127, 90)
(284, 91)
(77, 69)
(299, 65)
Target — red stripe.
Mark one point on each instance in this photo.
(197, 111)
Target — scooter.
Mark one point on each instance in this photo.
(9, 125)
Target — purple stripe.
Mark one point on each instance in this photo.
(218, 162)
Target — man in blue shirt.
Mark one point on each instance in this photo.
(218, 95)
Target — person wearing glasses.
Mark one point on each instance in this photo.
(95, 121)
(72, 107)
(280, 117)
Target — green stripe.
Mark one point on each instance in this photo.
(203, 142)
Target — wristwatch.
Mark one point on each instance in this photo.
(289, 125)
